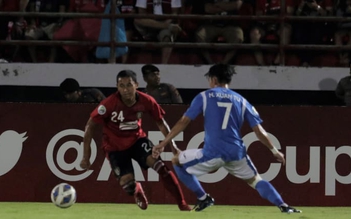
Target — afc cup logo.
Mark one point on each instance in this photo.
(61, 165)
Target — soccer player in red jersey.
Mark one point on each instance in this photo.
(124, 139)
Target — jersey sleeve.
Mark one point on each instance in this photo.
(102, 111)
(155, 110)
(251, 115)
(196, 107)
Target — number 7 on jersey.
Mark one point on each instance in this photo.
(228, 107)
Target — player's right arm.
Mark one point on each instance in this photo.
(90, 128)
(98, 116)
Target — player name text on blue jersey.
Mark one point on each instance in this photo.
(224, 95)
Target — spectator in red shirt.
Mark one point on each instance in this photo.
(269, 32)
(123, 138)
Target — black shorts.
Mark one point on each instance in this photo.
(121, 161)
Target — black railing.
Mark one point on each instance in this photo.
(282, 18)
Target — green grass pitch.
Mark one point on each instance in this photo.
(30, 210)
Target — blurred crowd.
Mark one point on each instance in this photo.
(179, 30)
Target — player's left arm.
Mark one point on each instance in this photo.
(254, 120)
(264, 139)
(157, 114)
(164, 128)
(177, 128)
(193, 111)
(263, 136)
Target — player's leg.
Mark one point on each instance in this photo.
(267, 191)
(142, 153)
(246, 170)
(170, 182)
(122, 168)
(189, 164)
(189, 180)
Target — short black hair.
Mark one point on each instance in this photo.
(223, 72)
(126, 74)
(147, 69)
(69, 85)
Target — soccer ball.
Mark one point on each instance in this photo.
(63, 195)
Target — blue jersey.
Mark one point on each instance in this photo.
(224, 113)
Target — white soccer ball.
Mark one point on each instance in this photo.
(63, 195)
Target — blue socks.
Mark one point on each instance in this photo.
(264, 188)
(190, 181)
(267, 191)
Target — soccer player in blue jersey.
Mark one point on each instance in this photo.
(224, 114)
